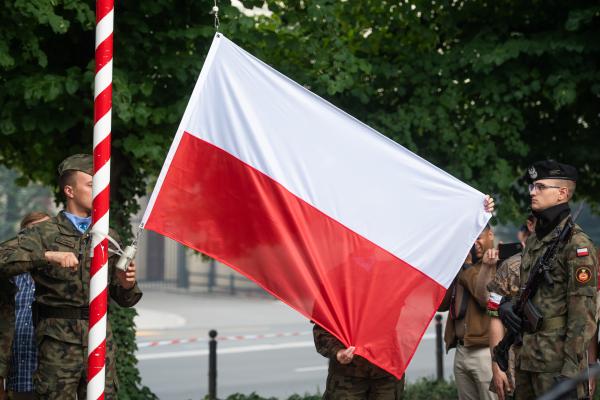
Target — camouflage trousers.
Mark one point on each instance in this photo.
(62, 371)
(7, 329)
(530, 385)
(340, 387)
(21, 396)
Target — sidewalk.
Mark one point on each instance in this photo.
(159, 310)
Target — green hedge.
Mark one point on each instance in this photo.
(423, 389)
(429, 389)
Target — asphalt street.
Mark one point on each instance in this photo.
(263, 347)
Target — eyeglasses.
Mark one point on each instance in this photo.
(538, 186)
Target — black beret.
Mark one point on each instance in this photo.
(550, 169)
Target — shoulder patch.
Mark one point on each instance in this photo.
(583, 275)
(583, 252)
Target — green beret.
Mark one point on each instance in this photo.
(77, 162)
(550, 169)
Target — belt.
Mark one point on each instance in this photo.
(45, 311)
(554, 323)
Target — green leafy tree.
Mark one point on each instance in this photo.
(481, 89)
(46, 75)
(17, 200)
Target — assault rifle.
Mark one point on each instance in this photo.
(524, 308)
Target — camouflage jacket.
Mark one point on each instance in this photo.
(562, 349)
(7, 310)
(507, 283)
(328, 346)
(507, 279)
(62, 287)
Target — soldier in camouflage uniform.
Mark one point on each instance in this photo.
(57, 254)
(505, 283)
(7, 318)
(352, 377)
(556, 351)
(8, 291)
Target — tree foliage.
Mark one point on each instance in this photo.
(46, 75)
(16, 201)
(479, 88)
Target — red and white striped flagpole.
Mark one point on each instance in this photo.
(101, 194)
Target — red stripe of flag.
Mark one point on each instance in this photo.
(215, 203)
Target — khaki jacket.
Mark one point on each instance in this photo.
(468, 320)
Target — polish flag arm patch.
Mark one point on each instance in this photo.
(583, 252)
(494, 301)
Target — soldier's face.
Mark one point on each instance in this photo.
(79, 192)
(545, 194)
(484, 242)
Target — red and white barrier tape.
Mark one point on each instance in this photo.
(221, 338)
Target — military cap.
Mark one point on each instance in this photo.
(77, 162)
(550, 169)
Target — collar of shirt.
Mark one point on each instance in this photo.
(80, 223)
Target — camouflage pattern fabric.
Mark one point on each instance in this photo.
(358, 380)
(63, 342)
(561, 350)
(507, 283)
(530, 383)
(62, 371)
(7, 310)
(340, 387)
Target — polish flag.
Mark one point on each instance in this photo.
(341, 223)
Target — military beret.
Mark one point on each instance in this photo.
(550, 169)
(77, 162)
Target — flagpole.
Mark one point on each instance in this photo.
(101, 193)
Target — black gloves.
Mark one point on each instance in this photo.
(509, 318)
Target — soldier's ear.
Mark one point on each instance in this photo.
(68, 191)
(563, 193)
